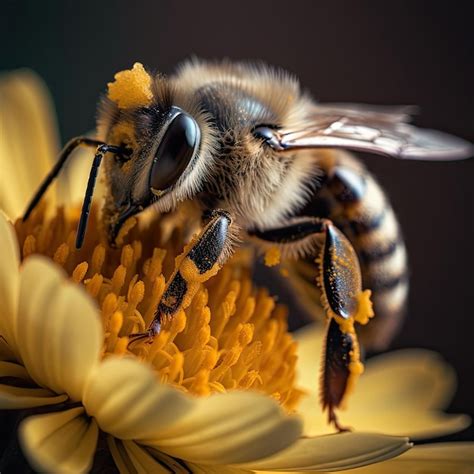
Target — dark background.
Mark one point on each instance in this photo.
(399, 53)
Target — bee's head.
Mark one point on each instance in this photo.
(164, 143)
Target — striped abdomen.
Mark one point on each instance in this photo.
(354, 201)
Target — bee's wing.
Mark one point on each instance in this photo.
(372, 129)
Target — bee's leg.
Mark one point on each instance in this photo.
(345, 303)
(200, 260)
(351, 197)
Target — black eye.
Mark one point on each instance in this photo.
(174, 152)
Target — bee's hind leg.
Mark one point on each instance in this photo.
(344, 301)
(200, 260)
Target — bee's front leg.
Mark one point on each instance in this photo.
(201, 260)
(345, 303)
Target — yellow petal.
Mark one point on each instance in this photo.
(230, 428)
(122, 461)
(438, 458)
(333, 452)
(128, 401)
(59, 332)
(17, 397)
(12, 398)
(9, 284)
(59, 442)
(131, 457)
(396, 420)
(401, 393)
(6, 351)
(29, 141)
(206, 469)
(417, 376)
(11, 369)
(310, 349)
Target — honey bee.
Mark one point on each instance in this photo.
(261, 161)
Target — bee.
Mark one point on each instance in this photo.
(261, 161)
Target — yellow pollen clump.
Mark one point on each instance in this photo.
(364, 308)
(229, 336)
(272, 256)
(131, 88)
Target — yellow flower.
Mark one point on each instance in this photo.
(190, 399)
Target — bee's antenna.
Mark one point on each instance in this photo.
(63, 157)
(102, 149)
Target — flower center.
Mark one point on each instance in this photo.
(232, 336)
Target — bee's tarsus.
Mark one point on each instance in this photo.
(140, 336)
(333, 419)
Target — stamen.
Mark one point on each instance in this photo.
(29, 246)
(61, 254)
(79, 272)
(228, 336)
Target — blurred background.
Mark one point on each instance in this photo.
(405, 52)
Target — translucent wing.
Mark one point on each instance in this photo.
(373, 129)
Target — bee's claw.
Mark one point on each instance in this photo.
(139, 336)
(332, 418)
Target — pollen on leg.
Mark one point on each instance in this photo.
(272, 256)
(226, 335)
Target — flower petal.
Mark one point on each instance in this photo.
(418, 376)
(29, 141)
(10, 369)
(437, 458)
(9, 284)
(128, 401)
(400, 393)
(59, 442)
(333, 452)
(21, 396)
(310, 349)
(59, 332)
(12, 398)
(396, 419)
(130, 457)
(403, 393)
(207, 469)
(6, 352)
(230, 428)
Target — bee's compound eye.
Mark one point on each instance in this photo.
(175, 151)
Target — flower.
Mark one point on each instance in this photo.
(437, 458)
(56, 336)
(190, 399)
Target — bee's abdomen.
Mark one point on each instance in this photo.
(355, 202)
